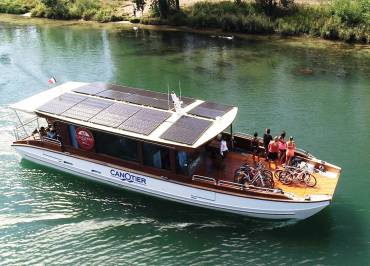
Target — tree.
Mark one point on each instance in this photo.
(140, 4)
(269, 6)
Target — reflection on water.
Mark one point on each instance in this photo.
(318, 94)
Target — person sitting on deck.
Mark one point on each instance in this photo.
(52, 134)
(290, 150)
(266, 141)
(42, 132)
(273, 151)
(255, 145)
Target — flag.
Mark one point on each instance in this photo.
(52, 80)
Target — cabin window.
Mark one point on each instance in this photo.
(187, 163)
(156, 156)
(116, 146)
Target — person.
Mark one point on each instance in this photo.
(282, 147)
(42, 132)
(266, 141)
(52, 134)
(290, 150)
(223, 148)
(255, 145)
(273, 150)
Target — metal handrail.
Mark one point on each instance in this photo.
(50, 140)
(233, 184)
(204, 179)
(308, 154)
(33, 119)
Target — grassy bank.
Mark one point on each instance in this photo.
(344, 20)
(101, 11)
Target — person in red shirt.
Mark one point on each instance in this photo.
(290, 150)
(273, 151)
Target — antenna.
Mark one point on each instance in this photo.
(168, 96)
(180, 88)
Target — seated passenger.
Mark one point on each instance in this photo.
(52, 134)
(42, 132)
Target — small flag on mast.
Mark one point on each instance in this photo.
(52, 80)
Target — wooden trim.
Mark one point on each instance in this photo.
(157, 173)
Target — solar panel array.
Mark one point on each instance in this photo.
(106, 113)
(186, 130)
(131, 95)
(129, 113)
(210, 110)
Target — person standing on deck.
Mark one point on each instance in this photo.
(223, 148)
(273, 151)
(266, 141)
(255, 145)
(282, 147)
(290, 150)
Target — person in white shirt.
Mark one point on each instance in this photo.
(223, 148)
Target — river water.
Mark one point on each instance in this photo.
(318, 92)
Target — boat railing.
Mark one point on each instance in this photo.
(50, 140)
(204, 179)
(230, 184)
(20, 131)
(250, 137)
(224, 183)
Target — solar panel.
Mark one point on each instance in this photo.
(89, 89)
(87, 109)
(115, 114)
(186, 130)
(210, 110)
(114, 95)
(138, 96)
(61, 104)
(145, 121)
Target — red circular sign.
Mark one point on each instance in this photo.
(85, 138)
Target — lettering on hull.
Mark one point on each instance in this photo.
(128, 177)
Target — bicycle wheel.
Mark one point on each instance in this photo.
(238, 176)
(268, 182)
(309, 180)
(286, 177)
(268, 173)
(277, 173)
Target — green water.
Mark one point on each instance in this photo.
(318, 92)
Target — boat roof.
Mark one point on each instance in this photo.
(132, 112)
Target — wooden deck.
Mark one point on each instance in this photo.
(224, 170)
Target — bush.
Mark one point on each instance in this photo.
(106, 15)
(135, 20)
(17, 6)
(352, 12)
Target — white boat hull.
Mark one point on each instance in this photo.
(162, 188)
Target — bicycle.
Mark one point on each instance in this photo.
(291, 174)
(258, 177)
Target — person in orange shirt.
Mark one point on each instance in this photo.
(274, 151)
(290, 150)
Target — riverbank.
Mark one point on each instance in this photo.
(343, 20)
(305, 41)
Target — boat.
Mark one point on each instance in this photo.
(161, 145)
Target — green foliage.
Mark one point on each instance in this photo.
(352, 12)
(106, 15)
(17, 6)
(85, 9)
